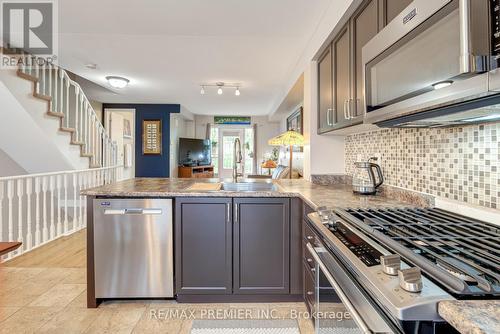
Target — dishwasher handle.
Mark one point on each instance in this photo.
(133, 211)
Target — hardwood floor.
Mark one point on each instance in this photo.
(44, 291)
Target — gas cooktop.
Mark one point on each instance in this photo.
(460, 254)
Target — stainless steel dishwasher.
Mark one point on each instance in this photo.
(133, 248)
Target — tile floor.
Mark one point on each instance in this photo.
(45, 292)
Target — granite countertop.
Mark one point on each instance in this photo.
(472, 316)
(313, 194)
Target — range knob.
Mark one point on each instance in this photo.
(410, 279)
(391, 264)
(323, 212)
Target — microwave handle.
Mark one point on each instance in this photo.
(356, 316)
(465, 51)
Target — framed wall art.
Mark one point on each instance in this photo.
(151, 137)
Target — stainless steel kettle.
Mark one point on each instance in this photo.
(364, 181)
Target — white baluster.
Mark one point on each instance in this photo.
(80, 200)
(52, 230)
(29, 236)
(35, 68)
(65, 185)
(67, 102)
(55, 100)
(61, 93)
(59, 205)
(45, 230)
(85, 176)
(20, 193)
(75, 187)
(37, 211)
(10, 195)
(80, 131)
(77, 103)
(50, 84)
(43, 79)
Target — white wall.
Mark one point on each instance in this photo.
(8, 167)
(265, 131)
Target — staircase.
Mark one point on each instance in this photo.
(62, 118)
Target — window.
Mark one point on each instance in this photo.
(214, 140)
(227, 151)
(249, 151)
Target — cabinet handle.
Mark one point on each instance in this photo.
(346, 115)
(236, 213)
(356, 105)
(328, 117)
(228, 212)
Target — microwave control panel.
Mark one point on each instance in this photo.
(495, 27)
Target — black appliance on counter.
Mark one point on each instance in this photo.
(391, 267)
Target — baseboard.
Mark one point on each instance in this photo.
(238, 298)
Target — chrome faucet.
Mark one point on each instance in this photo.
(237, 158)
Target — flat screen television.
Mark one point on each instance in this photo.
(194, 152)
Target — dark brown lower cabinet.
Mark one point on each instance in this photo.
(203, 245)
(261, 246)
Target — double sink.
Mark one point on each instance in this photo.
(243, 186)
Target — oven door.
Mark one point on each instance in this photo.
(341, 305)
(424, 59)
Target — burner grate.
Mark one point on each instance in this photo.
(465, 247)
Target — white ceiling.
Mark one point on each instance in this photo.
(168, 48)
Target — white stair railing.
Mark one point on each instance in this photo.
(68, 101)
(52, 199)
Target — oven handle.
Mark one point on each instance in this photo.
(356, 316)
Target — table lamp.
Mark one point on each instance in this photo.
(291, 139)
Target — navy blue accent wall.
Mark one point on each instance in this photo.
(151, 165)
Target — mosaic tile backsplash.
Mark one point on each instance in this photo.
(460, 163)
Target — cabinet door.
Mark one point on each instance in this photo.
(341, 74)
(261, 246)
(364, 26)
(325, 112)
(203, 243)
(392, 8)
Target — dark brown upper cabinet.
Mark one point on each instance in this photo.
(343, 57)
(326, 114)
(392, 8)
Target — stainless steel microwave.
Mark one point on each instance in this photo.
(435, 65)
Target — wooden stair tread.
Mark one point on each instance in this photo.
(67, 129)
(43, 97)
(7, 247)
(55, 114)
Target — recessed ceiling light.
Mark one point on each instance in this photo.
(442, 84)
(117, 82)
(219, 91)
(237, 91)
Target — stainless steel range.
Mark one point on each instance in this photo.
(404, 261)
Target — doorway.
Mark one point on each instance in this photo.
(120, 125)
(222, 138)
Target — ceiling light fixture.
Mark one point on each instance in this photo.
(442, 84)
(117, 82)
(220, 87)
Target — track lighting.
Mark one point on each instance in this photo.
(220, 87)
